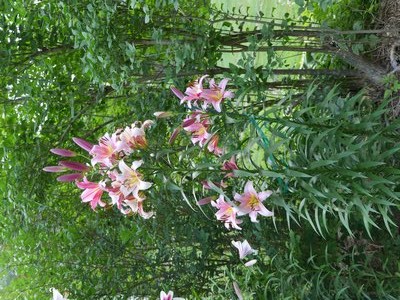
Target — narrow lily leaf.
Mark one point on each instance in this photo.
(295, 173)
(322, 163)
(242, 173)
(271, 174)
(344, 219)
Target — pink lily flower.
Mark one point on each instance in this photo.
(117, 197)
(134, 137)
(85, 145)
(164, 296)
(69, 177)
(92, 192)
(230, 165)
(136, 206)
(194, 91)
(199, 133)
(244, 248)
(251, 202)
(226, 213)
(216, 94)
(131, 179)
(197, 123)
(213, 146)
(106, 152)
(63, 152)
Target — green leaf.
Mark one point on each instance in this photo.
(370, 164)
(352, 174)
(271, 174)
(294, 173)
(242, 173)
(322, 163)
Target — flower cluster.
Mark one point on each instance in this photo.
(198, 122)
(248, 203)
(123, 183)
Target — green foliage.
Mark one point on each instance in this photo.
(83, 68)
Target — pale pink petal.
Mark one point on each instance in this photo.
(194, 127)
(91, 195)
(253, 216)
(264, 211)
(249, 189)
(201, 81)
(217, 106)
(238, 292)
(238, 197)
(143, 185)
(164, 296)
(229, 94)
(142, 213)
(136, 164)
(123, 167)
(85, 184)
(264, 195)
(250, 262)
(244, 248)
(222, 84)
